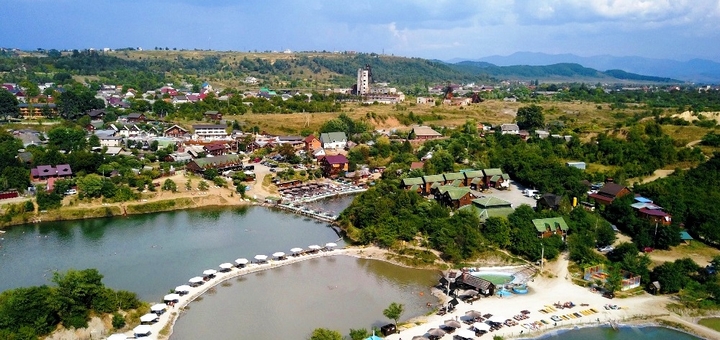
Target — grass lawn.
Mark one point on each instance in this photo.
(712, 323)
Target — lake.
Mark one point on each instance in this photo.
(623, 333)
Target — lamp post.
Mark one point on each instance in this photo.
(542, 256)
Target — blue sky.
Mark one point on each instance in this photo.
(438, 29)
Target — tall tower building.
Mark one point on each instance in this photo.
(364, 77)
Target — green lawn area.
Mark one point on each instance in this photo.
(712, 323)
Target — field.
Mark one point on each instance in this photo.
(712, 323)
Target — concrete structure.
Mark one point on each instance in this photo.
(364, 77)
(210, 131)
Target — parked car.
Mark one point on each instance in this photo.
(609, 295)
(606, 249)
(71, 192)
(648, 249)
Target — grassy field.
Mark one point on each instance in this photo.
(712, 323)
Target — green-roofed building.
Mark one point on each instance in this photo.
(472, 175)
(547, 227)
(430, 180)
(495, 178)
(454, 176)
(489, 206)
(413, 184)
(454, 197)
(219, 163)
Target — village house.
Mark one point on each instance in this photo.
(212, 115)
(219, 163)
(312, 143)
(333, 140)
(334, 165)
(474, 179)
(547, 227)
(136, 117)
(425, 100)
(210, 131)
(175, 131)
(509, 129)
(489, 206)
(297, 142)
(36, 110)
(109, 141)
(216, 149)
(454, 197)
(495, 178)
(609, 192)
(645, 208)
(425, 133)
(548, 201)
(431, 182)
(45, 172)
(413, 184)
(456, 179)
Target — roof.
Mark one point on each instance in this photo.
(209, 126)
(417, 165)
(433, 178)
(332, 137)
(611, 189)
(309, 139)
(135, 115)
(211, 112)
(215, 147)
(685, 236)
(551, 200)
(490, 202)
(426, 131)
(224, 159)
(650, 206)
(175, 126)
(453, 176)
(641, 199)
(290, 138)
(492, 172)
(336, 159)
(412, 181)
(474, 174)
(654, 212)
(477, 282)
(552, 223)
(509, 127)
(456, 193)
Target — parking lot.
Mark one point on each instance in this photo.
(514, 195)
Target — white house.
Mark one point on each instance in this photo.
(110, 140)
(333, 140)
(511, 129)
(210, 131)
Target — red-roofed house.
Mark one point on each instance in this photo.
(655, 216)
(312, 143)
(43, 172)
(609, 192)
(216, 149)
(333, 165)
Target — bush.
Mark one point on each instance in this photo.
(118, 321)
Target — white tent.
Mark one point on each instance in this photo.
(465, 333)
(196, 280)
(183, 289)
(296, 250)
(315, 247)
(497, 318)
(278, 254)
(156, 308)
(226, 266)
(481, 326)
(209, 272)
(172, 297)
(261, 257)
(117, 336)
(330, 245)
(241, 261)
(149, 317)
(142, 330)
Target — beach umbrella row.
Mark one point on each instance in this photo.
(149, 317)
(142, 330)
(157, 308)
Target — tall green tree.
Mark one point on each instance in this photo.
(530, 117)
(8, 105)
(325, 334)
(394, 312)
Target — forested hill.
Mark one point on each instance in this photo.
(565, 71)
(146, 70)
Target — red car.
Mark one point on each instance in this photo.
(648, 249)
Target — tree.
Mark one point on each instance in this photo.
(241, 189)
(325, 334)
(8, 105)
(188, 185)
(163, 108)
(91, 185)
(497, 231)
(359, 334)
(394, 311)
(530, 117)
(169, 185)
(203, 186)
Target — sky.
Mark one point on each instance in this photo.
(434, 29)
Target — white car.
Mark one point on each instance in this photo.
(71, 192)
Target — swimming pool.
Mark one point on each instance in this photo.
(494, 277)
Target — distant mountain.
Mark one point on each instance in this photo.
(694, 70)
(560, 72)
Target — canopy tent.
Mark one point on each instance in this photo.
(296, 250)
(469, 292)
(171, 298)
(261, 257)
(149, 317)
(497, 318)
(183, 289)
(315, 247)
(330, 245)
(142, 330)
(210, 272)
(196, 280)
(278, 254)
(465, 333)
(158, 308)
(117, 336)
(226, 266)
(481, 326)
(242, 261)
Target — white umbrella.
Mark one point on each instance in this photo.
(497, 318)
(226, 265)
(171, 297)
(465, 333)
(481, 326)
(261, 257)
(315, 247)
(149, 317)
(117, 336)
(183, 288)
(330, 245)
(296, 250)
(142, 330)
(196, 279)
(278, 254)
(210, 272)
(157, 308)
(241, 261)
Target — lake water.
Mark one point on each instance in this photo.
(623, 333)
(338, 293)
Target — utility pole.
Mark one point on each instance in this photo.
(542, 256)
